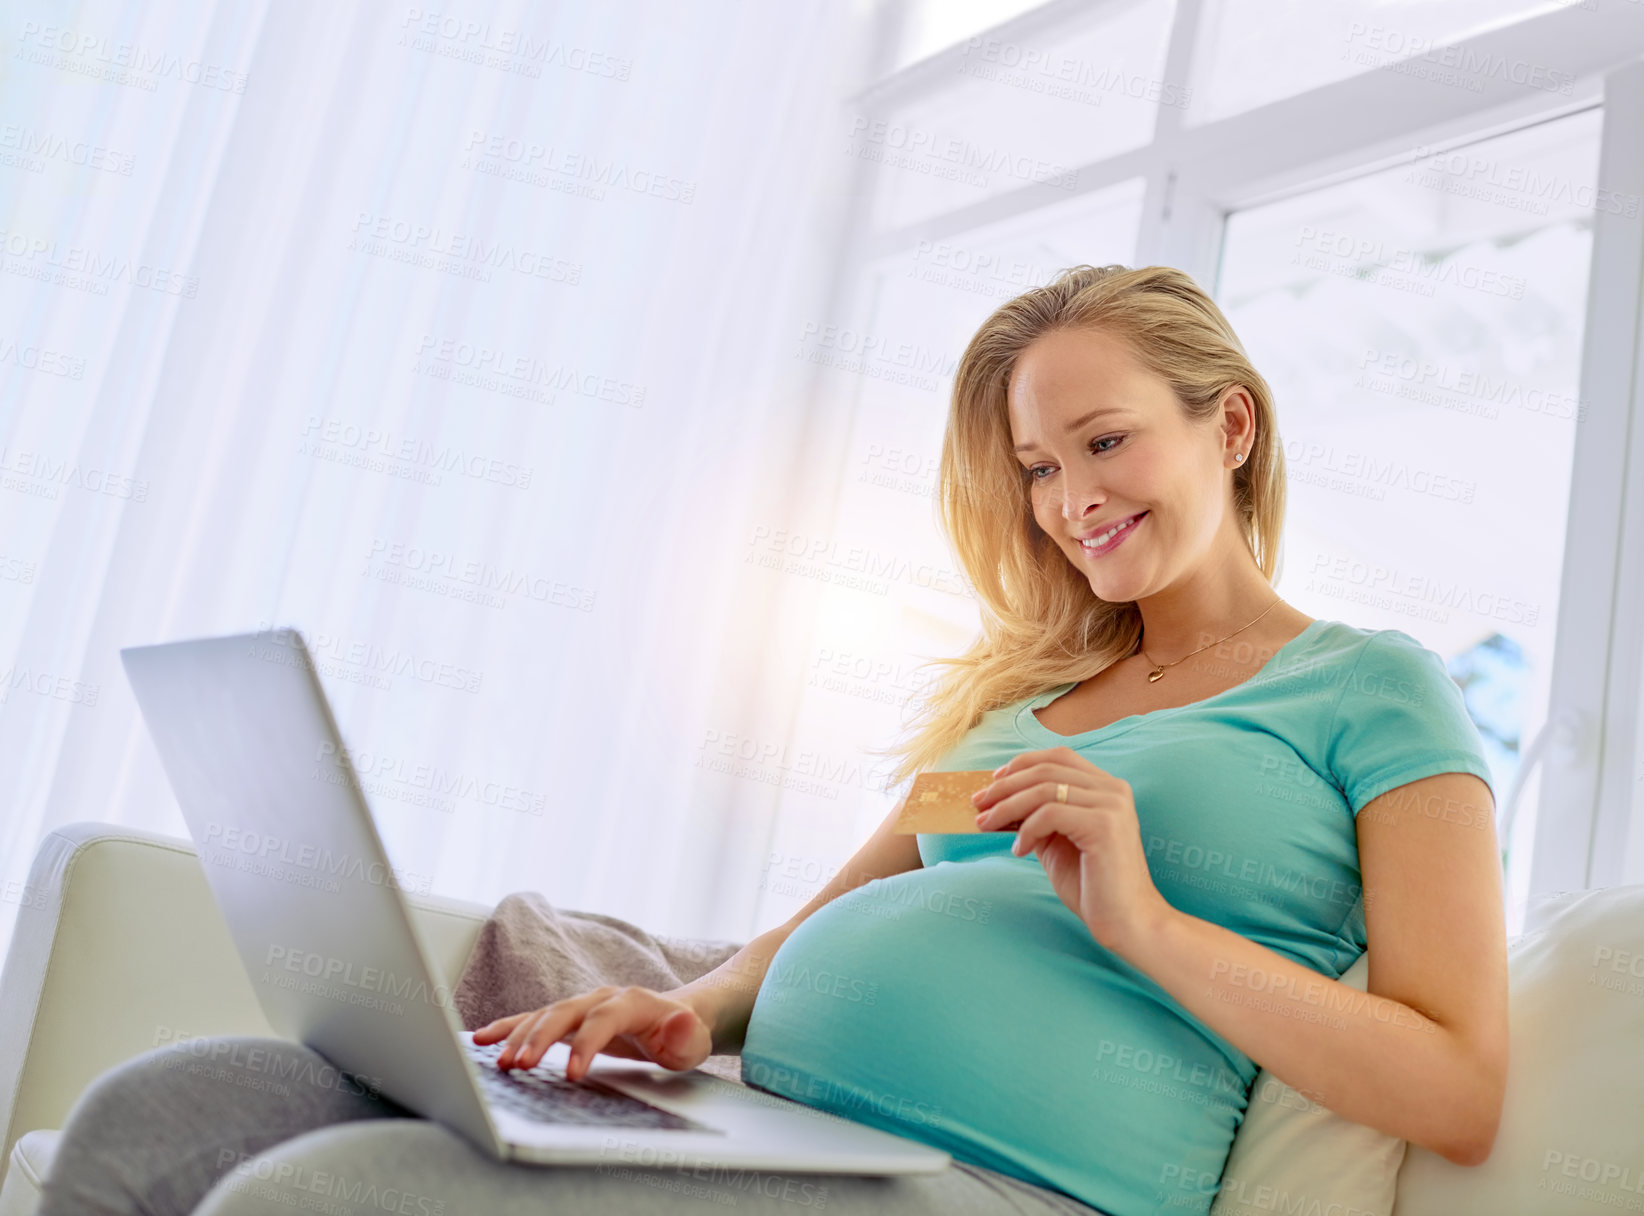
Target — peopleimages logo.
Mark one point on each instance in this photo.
(328, 650)
(47, 145)
(375, 770)
(278, 851)
(122, 62)
(327, 969)
(497, 46)
(34, 358)
(81, 268)
(370, 446)
(432, 569)
(451, 358)
(927, 145)
(433, 246)
(1358, 256)
(527, 160)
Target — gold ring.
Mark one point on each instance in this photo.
(1061, 792)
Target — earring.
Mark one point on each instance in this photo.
(1238, 458)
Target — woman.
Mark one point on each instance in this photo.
(1206, 805)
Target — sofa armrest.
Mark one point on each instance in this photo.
(120, 948)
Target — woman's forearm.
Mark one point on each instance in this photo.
(1369, 1058)
(724, 997)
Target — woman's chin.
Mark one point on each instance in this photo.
(1110, 592)
(1109, 583)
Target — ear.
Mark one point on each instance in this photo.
(1238, 419)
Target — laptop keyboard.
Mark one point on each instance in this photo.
(543, 1094)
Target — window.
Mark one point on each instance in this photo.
(934, 25)
(1012, 110)
(1253, 55)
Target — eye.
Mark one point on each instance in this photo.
(1095, 450)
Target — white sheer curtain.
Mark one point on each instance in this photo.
(462, 337)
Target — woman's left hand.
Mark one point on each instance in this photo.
(1090, 845)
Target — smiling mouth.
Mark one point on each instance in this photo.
(1109, 540)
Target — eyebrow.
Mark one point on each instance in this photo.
(1099, 412)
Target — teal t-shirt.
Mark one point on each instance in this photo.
(964, 1005)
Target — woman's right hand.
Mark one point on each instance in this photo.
(632, 1022)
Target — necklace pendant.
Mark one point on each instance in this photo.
(1155, 674)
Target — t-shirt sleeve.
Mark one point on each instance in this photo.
(1400, 717)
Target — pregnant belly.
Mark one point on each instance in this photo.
(964, 1005)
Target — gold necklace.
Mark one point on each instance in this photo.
(1159, 670)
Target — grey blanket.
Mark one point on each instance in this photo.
(530, 954)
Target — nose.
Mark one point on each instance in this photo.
(1081, 497)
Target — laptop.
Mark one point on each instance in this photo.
(320, 920)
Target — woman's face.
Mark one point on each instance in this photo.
(1103, 441)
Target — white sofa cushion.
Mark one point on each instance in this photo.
(119, 947)
(1572, 1130)
(30, 1159)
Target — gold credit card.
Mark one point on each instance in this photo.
(940, 802)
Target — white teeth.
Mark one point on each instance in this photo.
(1097, 542)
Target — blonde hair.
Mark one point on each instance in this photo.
(1041, 624)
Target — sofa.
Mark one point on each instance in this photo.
(119, 948)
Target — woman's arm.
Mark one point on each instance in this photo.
(1423, 1054)
(724, 997)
